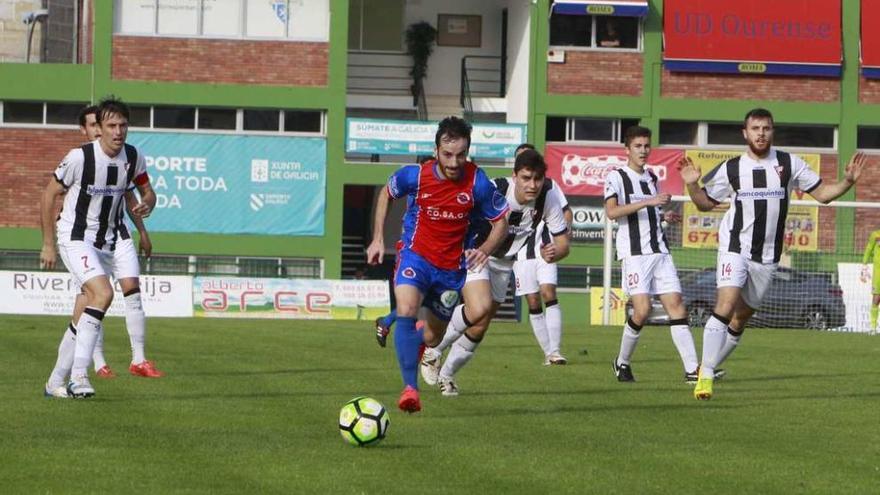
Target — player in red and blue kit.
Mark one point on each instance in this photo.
(432, 260)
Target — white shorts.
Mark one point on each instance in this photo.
(532, 274)
(497, 272)
(84, 262)
(753, 278)
(649, 274)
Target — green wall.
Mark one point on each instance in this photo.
(75, 83)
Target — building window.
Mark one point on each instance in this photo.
(599, 32)
(174, 117)
(581, 129)
(216, 118)
(679, 132)
(375, 25)
(727, 134)
(868, 138)
(40, 113)
(279, 19)
(166, 117)
(261, 120)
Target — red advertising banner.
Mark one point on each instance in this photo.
(793, 37)
(870, 39)
(581, 170)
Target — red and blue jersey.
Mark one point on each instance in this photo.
(439, 210)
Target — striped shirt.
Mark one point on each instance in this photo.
(96, 185)
(640, 232)
(541, 236)
(760, 190)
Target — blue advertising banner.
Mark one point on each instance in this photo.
(227, 184)
(402, 137)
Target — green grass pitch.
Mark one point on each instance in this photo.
(250, 406)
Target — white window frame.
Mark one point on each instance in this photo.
(616, 132)
(595, 48)
(239, 124)
(241, 28)
(41, 125)
(703, 139)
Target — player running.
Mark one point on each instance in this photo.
(536, 280)
(530, 200)
(633, 198)
(442, 195)
(872, 254)
(90, 230)
(750, 238)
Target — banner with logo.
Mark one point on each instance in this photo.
(588, 219)
(581, 170)
(623, 8)
(54, 293)
(855, 280)
(233, 297)
(228, 184)
(789, 37)
(618, 306)
(700, 228)
(405, 137)
(870, 39)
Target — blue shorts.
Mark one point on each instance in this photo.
(440, 288)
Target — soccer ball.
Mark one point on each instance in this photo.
(363, 421)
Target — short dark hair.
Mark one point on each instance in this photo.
(530, 160)
(757, 113)
(110, 105)
(453, 127)
(635, 131)
(524, 146)
(84, 112)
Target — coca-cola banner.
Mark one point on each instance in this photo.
(581, 170)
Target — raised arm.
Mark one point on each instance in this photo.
(691, 174)
(827, 193)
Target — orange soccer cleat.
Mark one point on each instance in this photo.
(146, 369)
(409, 400)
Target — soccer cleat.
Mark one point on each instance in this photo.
(105, 372)
(58, 391)
(703, 390)
(546, 361)
(556, 359)
(146, 369)
(409, 400)
(691, 377)
(430, 365)
(623, 372)
(79, 387)
(448, 388)
(382, 332)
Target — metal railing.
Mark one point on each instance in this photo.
(481, 76)
(377, 72)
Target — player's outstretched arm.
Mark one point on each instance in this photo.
(376, 249)
(613, 210)
(827, 193)
(691, 174)
(48, 253)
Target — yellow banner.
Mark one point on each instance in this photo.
(700, 228)
(618, 303)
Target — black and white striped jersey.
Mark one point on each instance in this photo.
(524, 218)
(641, 232)
(760, 190)
(541, 236)
(96, 184)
